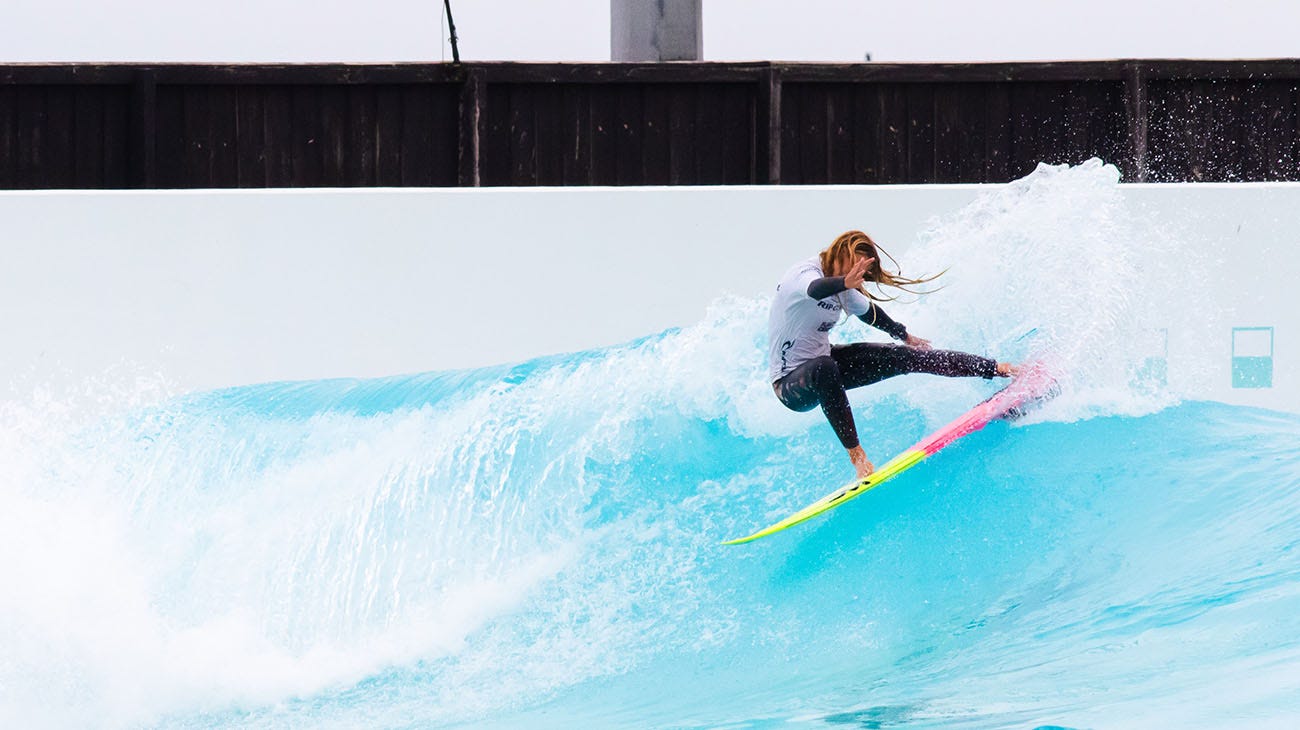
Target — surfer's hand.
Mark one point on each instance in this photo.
(861, 462)
(917, 342)
(1007, 370)
(857, 274)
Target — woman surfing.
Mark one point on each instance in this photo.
(807, 371)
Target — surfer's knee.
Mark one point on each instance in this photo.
(810, 384)
(824, 372)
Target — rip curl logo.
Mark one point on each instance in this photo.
(829, 305)
(826, 327)
(785, 346)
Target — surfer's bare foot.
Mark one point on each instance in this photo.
(1008, 370)
(861, 462)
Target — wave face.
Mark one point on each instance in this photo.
(537, 545)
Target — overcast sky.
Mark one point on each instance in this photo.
(578, 30)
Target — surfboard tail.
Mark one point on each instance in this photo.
(887, 471)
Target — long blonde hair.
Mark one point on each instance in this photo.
(856, 243)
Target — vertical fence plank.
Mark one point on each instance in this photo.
(972, 141)
(444, 133)
(841, 129)
(88, 128)
(812, 135)
(143, 127)
(169, 140)
(1138, 116)
(388, 135)
(250, 137)
(604, 140)
(470, 128)
(58, 137)
(767, 128)
(1076, 109)
(920, 134)
(494, 144)
(523, 129)
(866, 152)
(1283, 163)
(894, 138)
(1025, 133)
(305, 134)
(9, 177)
(681, 135)
(334, 136)
(223, 135)
(278, 132)
(549, 120)
(998, 125)
(117, 136)
(419, 155)
(710, 127)
(950, 132)
(197, 161)
(629, 162)
(29, 125)
(1110, 131)
(791, 124)
(575, 115)
(656, 137)
(359, 162)
(736, 118)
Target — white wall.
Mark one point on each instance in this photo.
(1247, 237)
(224, 288)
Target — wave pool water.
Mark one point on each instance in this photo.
(536, 545)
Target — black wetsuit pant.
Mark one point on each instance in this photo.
(824, 380)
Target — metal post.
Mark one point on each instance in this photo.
(656, 30)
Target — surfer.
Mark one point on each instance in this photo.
(806, 370)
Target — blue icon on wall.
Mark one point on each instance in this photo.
(1252, 357)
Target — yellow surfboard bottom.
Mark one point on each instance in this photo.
(887, 471)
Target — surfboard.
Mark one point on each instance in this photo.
(1033, 385)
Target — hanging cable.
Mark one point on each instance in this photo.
(451, 25)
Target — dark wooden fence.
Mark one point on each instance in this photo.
(199, 126)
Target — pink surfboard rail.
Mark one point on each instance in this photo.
(1033, 383)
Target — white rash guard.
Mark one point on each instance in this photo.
(798, 328)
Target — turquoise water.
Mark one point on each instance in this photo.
(536, 545)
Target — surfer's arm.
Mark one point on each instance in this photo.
(829, 286)
(876, 317)
(826, 286)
